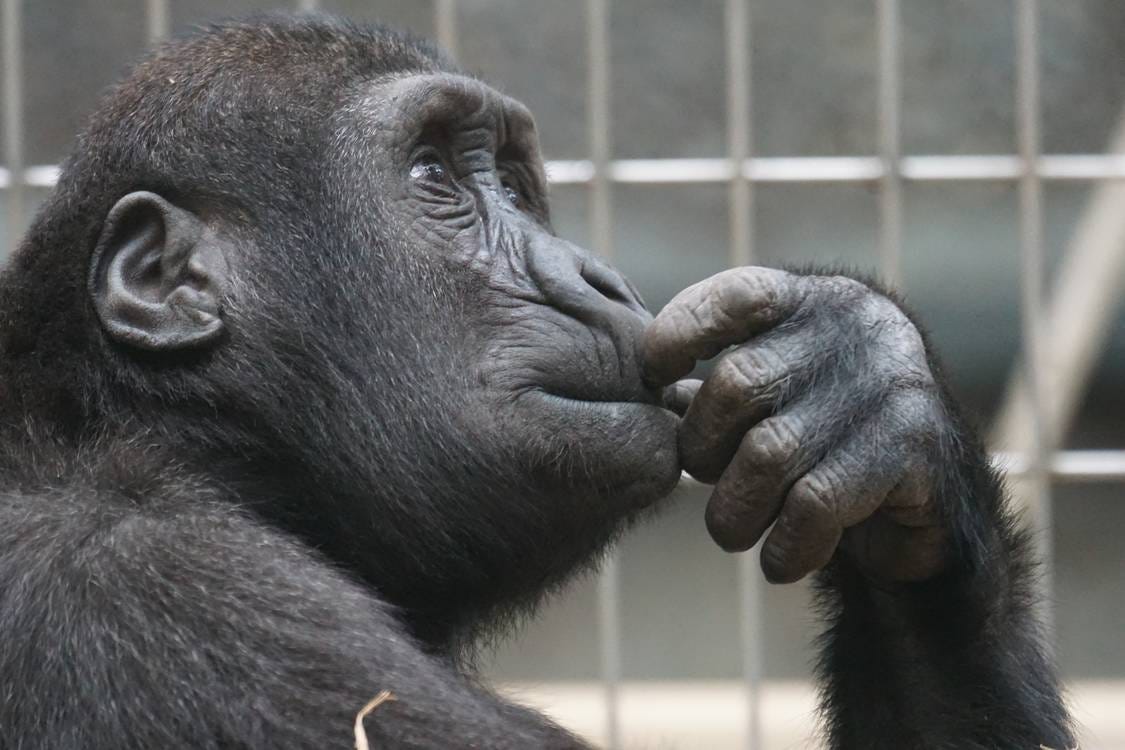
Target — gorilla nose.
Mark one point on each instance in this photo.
(576, 282)
(609, 283)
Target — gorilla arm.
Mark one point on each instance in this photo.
(188, 624)
(827, 421)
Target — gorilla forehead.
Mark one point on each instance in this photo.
(408, 101)
(247, 101)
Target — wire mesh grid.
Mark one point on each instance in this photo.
(887, 171)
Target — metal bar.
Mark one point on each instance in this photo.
(445, 25)
(890, 143)
(598, 112)
(844, 169)
(1086, 466)
(570, 172)
(11, 109)
(44, 176)
(749, 583)
(1086, 294)
(781, 170)
(1035, 493)
(961, 168)
(672, 171)
(157, 19)
(739, 123)
(741, 209)
(1082, 166)
(815, 169)
(609, 646)
(601, 230)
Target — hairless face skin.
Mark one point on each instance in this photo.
(301, 395)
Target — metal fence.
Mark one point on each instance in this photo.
(1036, 462)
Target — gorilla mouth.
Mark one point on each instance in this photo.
(574, 401)
(624, 397)
(603, 409)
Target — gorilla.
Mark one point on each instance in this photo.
(300, 396)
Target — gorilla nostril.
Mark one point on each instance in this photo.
(609, 284)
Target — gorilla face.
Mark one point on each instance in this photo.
(484, 375)
(335, 297)
(394, 344)
(544, 337)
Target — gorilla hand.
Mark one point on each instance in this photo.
(824, 419)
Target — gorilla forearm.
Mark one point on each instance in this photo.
(956, 661)
(828, 431)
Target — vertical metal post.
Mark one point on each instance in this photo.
(739, 146)
(601, 231)
(445, 25)
(157, 19)
(890, 142)
(598, 106)
(609, 646)
(739, 123)
(11, 104)
(1036, 484)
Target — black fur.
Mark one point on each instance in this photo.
(959, 661)
(144, 601)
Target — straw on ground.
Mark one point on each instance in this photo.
(374, 703)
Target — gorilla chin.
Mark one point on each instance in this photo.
(624, 449)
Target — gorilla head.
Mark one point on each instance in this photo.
(313, 266)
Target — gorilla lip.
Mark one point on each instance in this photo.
(640, 396)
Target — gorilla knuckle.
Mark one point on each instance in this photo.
(773, 443)
(912, 410)
(815, 493)
(756, 287)
(752, 371)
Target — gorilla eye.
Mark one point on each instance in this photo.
(512, 186)
(428, 168)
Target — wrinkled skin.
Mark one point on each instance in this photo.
(555, 330)
(301, 395)
(775, 427)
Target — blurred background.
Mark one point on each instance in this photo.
(970, 151)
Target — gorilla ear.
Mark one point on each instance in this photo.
(157, 276)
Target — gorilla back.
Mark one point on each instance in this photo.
(300, 393)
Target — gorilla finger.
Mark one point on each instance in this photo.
(908, 503)
(720, 311)
(913, 553)
(804, 538)
(841, 491)
(679, 395)
(746, 386)
(749, 494)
